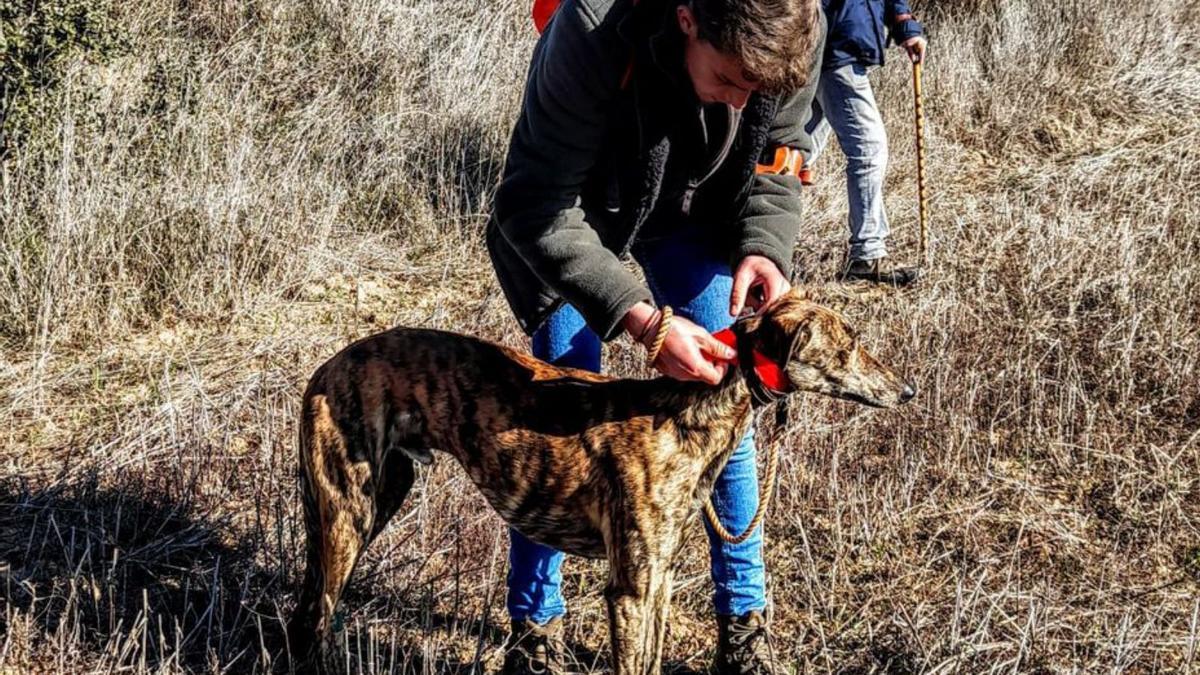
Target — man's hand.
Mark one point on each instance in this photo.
(688, 353)
(916, 46)
(755, 271)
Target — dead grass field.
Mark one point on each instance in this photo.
(209, 214)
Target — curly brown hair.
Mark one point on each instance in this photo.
(776, 40)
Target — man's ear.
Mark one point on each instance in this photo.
(687, 21)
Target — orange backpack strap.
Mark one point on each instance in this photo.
(542, 11)
(787, 162)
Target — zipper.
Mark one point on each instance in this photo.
(735, 121)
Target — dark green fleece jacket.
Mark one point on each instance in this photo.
(593, 149)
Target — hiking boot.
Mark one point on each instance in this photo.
(744, 646)
(535, 650)
(880, 272)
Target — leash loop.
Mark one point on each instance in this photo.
(765, 494)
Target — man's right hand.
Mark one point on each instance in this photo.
(688, 353)
(916, 48)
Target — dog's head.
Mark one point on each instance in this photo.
(819, 352)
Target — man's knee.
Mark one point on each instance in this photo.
(869, 157)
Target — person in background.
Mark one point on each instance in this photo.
(859, 31)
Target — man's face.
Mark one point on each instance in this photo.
(716, 76)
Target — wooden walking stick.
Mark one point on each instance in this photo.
(923, 201)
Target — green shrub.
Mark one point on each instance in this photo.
(38, 40)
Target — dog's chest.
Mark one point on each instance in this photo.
(568, 532)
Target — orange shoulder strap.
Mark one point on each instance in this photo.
(787, 162)
(542, 11)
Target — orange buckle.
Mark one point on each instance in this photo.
(788, 162)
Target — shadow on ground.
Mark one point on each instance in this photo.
(131, 572)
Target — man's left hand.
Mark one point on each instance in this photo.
(916, 46)
(755, 271)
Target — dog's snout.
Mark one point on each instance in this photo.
(907, 393)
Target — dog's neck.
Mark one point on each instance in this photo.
(709, 423)
(710, 420)
(707, 413)
(706, 405)
(762, 374)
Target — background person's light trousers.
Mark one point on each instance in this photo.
(845, 105)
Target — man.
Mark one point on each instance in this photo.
(642, 131)
(845, 103)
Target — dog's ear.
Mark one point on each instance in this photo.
(788, 328)
(747, 322)
(801, 333)
(750, 330)
(773, 333)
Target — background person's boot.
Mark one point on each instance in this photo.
(880, 271)
(744, 646)
(534, 649)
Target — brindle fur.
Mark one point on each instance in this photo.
(588, 464)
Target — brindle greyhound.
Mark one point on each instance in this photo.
(587, 464)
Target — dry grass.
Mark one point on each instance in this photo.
(253, 184)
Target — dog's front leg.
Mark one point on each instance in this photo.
(626, 593)
(638, 595)
(658, 607)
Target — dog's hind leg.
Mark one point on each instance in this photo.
(339, 508)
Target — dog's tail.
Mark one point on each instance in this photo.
(302, 628)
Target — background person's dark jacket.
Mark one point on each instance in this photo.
(589, 159)
(859, 29)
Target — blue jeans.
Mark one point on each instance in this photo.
(695, 280)
(846, 105)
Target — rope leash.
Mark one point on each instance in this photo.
(768, 489)
(664, 327)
